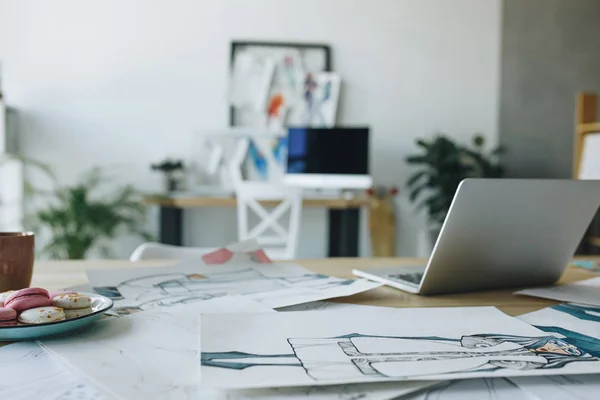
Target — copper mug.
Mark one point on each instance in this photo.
(16, 260)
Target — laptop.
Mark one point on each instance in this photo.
(501, 233)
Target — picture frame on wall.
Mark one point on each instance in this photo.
(284, 66)
(275, 85)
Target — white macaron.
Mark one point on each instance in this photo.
(74, 304)
(4, 295)
(41, 315)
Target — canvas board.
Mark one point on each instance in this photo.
(585, 292)
(335, 347)
(273, 285)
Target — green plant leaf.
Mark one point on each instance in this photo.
(416, 159)
(414, 193)
(79, 220)
(415, 178)
(447, 163)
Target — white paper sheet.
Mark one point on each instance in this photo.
(149, 355)
(334, 347)
(585, 292)
(28, 372)
(572, 387)
(324, 306)
(578, 324)
(153, 355)
(250, 81)
(273, 285)
(365, 391)
(476, 389)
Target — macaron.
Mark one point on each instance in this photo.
(41, 315)
(25, 299)
(74, 305)
(54, 293)
(4, 295)
(8, 317)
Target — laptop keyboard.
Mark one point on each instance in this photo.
(412, 277)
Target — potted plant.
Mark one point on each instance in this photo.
(443, 164)
(173, 171)
(83, 217)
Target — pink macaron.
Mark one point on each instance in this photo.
(8, 317)
(25, 299)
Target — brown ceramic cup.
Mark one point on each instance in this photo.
(16, 260)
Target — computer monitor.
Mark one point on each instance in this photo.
(329, 158)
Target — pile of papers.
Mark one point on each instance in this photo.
(240, 327)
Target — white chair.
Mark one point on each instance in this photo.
(282, 243)
(159, 251)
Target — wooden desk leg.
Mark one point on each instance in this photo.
(343, 232)
(171, 226)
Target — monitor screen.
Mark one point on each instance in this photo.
(328, 151)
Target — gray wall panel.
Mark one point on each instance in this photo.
(550, 51)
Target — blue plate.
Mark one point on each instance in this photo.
(100, 305)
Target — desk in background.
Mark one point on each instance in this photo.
(344, 218)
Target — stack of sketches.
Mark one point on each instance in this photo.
(238, 327)
(274, 285)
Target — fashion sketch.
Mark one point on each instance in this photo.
(357, 356)
(589, 344)
(168, 289)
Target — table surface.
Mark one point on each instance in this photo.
(230, 201)
(60, 274)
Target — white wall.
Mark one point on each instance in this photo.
(126, 82)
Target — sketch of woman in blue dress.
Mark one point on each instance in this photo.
(357, 356)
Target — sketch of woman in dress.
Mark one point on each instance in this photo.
(161, 290)
(357, 356)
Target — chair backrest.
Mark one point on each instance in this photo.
(159, 251)
(260, 197)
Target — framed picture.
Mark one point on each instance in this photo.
(274, 85)
(268, 80)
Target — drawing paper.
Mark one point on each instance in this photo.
(335, 347)
(572, 387)
(149, 355)
(250, 81)
(476, 389)
(273, 285)
(154, 355)
(28, 372)
(324, 306)
(584, 292)
(364, 391)
(577, 323)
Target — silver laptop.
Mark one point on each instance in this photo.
(501, 233)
